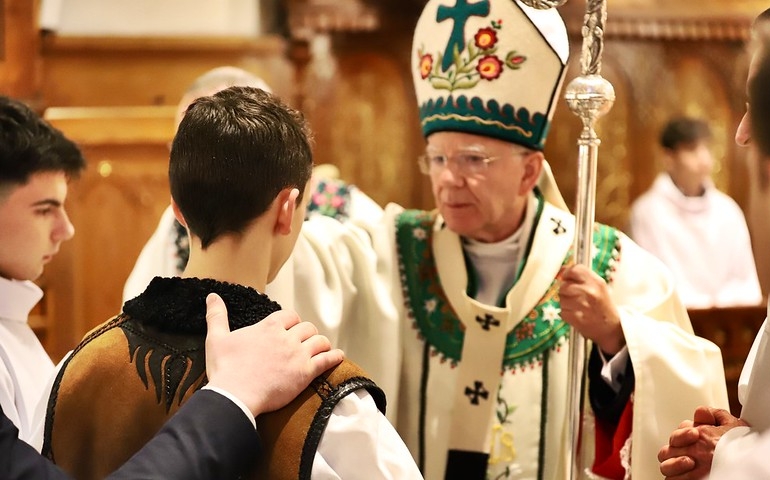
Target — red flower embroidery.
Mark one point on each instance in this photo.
(525, 331)
(426, 65)
(489, 67)
(485, 38)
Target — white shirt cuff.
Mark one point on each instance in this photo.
(614, 369)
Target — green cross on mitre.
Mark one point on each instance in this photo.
(460, 13)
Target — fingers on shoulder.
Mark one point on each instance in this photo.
(304, 330)
(317, 344)
(323, 361)
(285, 318)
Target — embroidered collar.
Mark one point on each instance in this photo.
(493, 268)
(179, 304)
(429, 308)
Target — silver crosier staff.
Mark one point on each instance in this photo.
(589, 96)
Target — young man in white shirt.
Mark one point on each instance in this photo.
(36, 164)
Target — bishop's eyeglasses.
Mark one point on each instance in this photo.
(467, 163)
(463, 163)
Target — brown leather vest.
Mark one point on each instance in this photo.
(125, 380)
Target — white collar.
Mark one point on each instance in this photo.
(18, 298)
(668, 188)
(496, 264)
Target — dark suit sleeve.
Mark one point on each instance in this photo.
(208, 438)
(20, 461)
(608, 405)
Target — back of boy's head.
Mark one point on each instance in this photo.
(233, 153)
(215, 80)
(684, 132)
(30, 145)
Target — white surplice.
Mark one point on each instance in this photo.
(703, 240)
(25, 367)
(754, 395)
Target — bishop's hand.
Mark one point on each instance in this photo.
(587, 306)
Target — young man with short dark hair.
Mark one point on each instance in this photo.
(36, 164)
(239, 170)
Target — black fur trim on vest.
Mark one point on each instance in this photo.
(178, 305)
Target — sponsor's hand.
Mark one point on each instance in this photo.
(268, 364)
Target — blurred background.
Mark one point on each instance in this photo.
(109, 73)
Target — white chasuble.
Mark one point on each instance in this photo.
(492, 380)
(487, 385)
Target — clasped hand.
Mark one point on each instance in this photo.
(690, 448)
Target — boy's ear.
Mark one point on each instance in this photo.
(178, 213)
(287, 205)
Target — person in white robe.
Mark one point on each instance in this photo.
(487, 287)
(682, 220)
(36, 163)
(735, 448)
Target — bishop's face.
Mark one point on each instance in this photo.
(33, 224)
(485, 202)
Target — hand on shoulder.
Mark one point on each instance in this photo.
(268, 364)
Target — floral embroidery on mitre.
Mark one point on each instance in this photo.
(471, 62)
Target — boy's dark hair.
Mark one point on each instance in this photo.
(684, 132)
(29, 145)
(233, 153)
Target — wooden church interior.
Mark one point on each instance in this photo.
(346, 65)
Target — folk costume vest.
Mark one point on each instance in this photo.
(479, 359)
(128, 376)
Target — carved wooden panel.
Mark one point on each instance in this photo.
(117, 71)
(114, 206)
(363, 127)
(18, 47)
